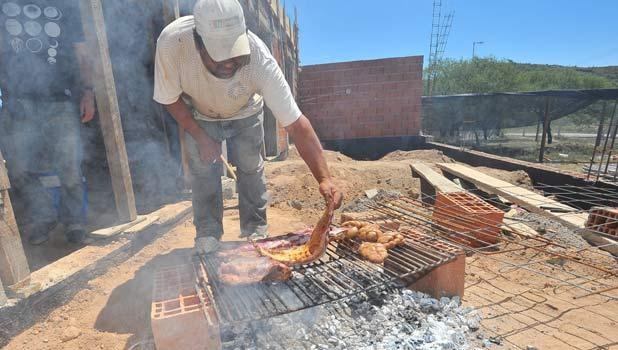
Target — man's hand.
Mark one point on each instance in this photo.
(331, 192)
(210, 150)
(86, 106)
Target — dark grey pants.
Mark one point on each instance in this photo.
(46, 136)
(245, 138)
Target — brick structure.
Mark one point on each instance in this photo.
(446, 280)
(181, 316)
(604, 220)
(268, 19)
(363, 99)
(477, 221)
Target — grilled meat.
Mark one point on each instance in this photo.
(248, 270)
(249, 249)
(310, 251)
(373, 252)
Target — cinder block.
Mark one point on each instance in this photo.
(468, 215)
(182, 316)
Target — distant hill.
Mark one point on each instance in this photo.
(609, 72)
(488, 75)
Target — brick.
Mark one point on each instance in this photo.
(469, 215)
(445, 280)
(179, 318)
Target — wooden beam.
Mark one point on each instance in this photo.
(13, 263)
(109, 113)
(438, 181)
(532, 201)
(108, 232)
(2, 295)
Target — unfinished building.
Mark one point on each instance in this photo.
(466, 249)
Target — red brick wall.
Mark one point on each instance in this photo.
(363, 99)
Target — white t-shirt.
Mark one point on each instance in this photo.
(179, 69)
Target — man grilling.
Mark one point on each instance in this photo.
(227, 74)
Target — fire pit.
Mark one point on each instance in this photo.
(338, 275)
(391, 318)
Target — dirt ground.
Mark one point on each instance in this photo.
(520, 307)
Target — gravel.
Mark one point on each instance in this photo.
(364, 203)
(394, 319)
(554, 230)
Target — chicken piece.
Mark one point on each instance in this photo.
(386, 237)
(373, 252)
(357, 224)
(391, 239)
(369, 233)
(310, 251)
(351, 233)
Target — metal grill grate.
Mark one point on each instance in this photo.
(339, 274)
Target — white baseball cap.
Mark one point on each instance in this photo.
(221, 25)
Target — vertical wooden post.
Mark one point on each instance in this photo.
(545, 125)
(109, 113)
(597, 142)
(2, 295)
(13, 263)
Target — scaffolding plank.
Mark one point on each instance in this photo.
(438, 181)
(525, 198)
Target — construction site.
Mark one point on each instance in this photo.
(435, 245)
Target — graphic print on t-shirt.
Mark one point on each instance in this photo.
(33, 29)
(37, 38)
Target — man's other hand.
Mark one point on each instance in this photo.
(86, 106)
(331, 192)
(210, 150)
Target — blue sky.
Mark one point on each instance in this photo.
(575, 32)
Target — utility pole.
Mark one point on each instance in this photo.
(474, 43)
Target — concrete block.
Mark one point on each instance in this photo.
(228, 187)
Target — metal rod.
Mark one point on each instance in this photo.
(545, 126)
(597, 143)
(609, 129)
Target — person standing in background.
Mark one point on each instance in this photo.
(46, 82)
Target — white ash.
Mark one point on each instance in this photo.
(392, 319)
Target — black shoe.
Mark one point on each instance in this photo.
(37, 239)
(76, 236)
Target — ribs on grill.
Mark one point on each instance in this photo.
(308, 252)
(242, 270)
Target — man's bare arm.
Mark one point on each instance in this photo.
(86, 75)
(311, 151)
(210, 150)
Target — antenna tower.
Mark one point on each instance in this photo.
(440, 31)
